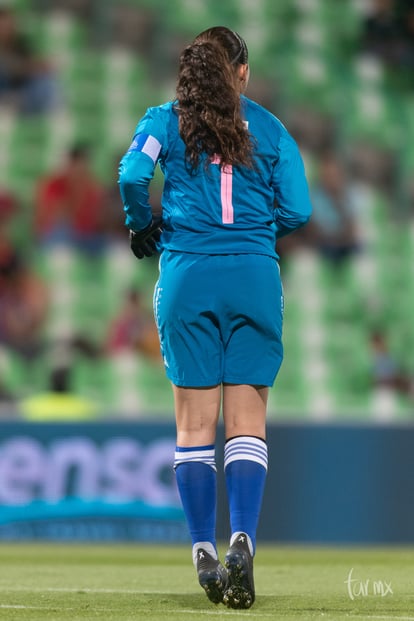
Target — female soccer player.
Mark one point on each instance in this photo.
(234, 183)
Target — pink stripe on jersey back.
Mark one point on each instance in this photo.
(226, 194)
(226, 188)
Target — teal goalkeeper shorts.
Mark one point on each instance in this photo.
(219, 318)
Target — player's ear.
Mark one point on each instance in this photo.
(243, 73)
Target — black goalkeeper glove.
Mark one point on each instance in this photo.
(143, 243)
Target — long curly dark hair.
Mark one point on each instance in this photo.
(208, 99)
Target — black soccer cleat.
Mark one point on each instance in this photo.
(212, 576)
(239, 563)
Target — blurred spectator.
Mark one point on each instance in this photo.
(388, 33)
(23, 306)
(8, 207)
(59, 402)
(133, 329)
(387, 373)
(381, 31)
(26, 81)
(407, 47)
(8, 210)
(7, 403)
(333, 230)
(69, 205)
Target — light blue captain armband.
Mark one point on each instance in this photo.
(145, 143)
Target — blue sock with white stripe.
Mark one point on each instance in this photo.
(195, 470)
(245, 467)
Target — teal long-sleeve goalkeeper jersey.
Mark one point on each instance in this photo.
(216, 210)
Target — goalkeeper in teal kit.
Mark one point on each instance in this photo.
(234, 183)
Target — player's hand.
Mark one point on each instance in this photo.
(143, 243)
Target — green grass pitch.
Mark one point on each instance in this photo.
(158, 583)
